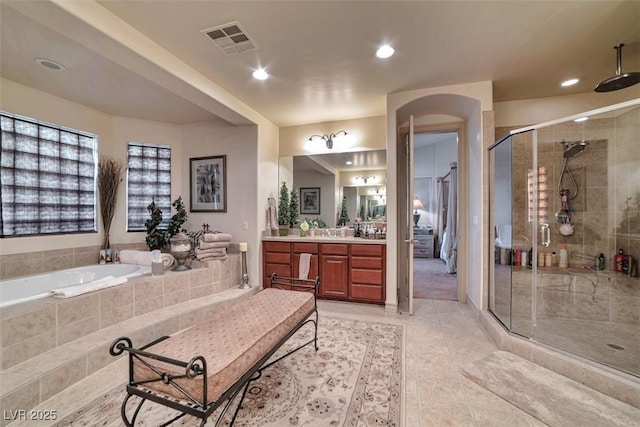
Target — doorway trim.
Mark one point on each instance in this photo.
(463, 201)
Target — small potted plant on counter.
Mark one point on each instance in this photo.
(283, 210)
(293, 208)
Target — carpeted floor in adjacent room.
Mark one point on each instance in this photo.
(430, 280)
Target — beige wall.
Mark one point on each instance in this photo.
(18, 99)
(192, 140)
(239, 144)
(540, 110)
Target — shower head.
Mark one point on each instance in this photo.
(572, 149)
(619, 81)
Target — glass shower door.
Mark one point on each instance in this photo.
(501, 219)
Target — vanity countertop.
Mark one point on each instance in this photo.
(324, 239)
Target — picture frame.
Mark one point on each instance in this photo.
(208, 184)
(310, 200)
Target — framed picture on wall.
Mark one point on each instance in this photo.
(208, 184)
(310, 200)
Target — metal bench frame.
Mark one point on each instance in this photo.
(196, 368)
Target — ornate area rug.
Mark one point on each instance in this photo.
(354, 379)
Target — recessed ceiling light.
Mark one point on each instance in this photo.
(348, 163)
(570, 82)
(260, 74)
(50, 64)
(385, 51)
(581, 119)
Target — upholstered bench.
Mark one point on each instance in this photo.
(201, 368)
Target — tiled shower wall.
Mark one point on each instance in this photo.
(605, 213)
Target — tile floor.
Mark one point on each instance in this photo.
(441, 337)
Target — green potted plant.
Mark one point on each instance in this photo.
(283, 210)
(293, 208)
(344, 216)
(156, 237)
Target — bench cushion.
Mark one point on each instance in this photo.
(232, 342)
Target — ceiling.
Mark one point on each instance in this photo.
(320, 54)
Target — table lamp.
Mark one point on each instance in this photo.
(417, 204)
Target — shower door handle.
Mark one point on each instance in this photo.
(545, 234)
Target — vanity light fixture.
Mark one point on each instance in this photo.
(364, 179)
(328, 138)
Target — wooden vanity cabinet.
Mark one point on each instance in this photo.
(309, 248)
(334, 271)
(347, 271)
(276, 258)
(367, 282)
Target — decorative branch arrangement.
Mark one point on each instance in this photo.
(110, 173)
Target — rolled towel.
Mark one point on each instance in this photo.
(303, 268)
(130, 256)
(105, 282)
(211, 245)
(167, 260)
(143, 258)
(216, 237)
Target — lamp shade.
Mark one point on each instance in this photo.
(417, 204)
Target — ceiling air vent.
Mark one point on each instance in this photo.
(231, 38)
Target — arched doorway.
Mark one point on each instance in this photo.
(439, 109)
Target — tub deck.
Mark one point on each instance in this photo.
(66, 340)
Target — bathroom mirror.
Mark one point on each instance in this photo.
(359, 176)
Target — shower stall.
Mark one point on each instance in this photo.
(565, 230)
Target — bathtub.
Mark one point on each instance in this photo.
(21, 289)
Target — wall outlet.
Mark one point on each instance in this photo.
(245, 225)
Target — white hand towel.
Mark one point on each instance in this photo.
(303, 268)
(105, 282)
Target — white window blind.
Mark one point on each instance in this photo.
(48, 178)
(148, 179)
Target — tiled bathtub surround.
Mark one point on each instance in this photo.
(26, 264)
(77, 332)
(34, 327)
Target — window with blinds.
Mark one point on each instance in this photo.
(148, 179)
(48, 178)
